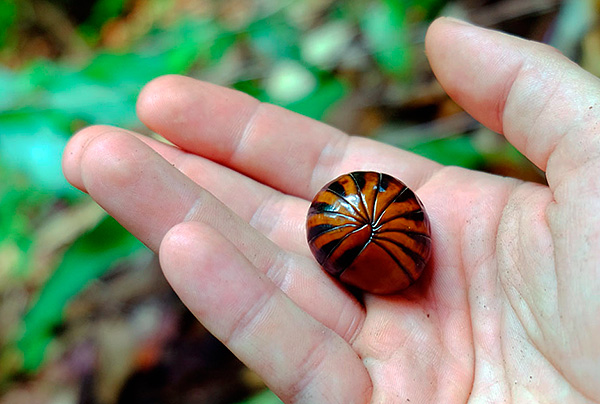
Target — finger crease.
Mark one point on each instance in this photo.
(278, 270)
(246, 132)
(270, 206)
(331, 155)
(309, 369)
(500, 107)
(250, 319)
(535, 123)
(353, 329)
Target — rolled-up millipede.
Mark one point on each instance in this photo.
(371, 231)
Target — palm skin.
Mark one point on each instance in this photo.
(508, 308)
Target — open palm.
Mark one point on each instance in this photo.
(509, 306)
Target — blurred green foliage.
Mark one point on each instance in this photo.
(8, 16)
(265, 397)
(107, 244)
(18, 202)
(102, 11)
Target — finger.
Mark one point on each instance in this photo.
(149, 196)
(287, 151)
(299, 359)
(548, 108)
(543, 103)
(279, 217)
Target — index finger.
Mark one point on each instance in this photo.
(282, 149)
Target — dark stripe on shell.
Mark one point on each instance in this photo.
(394, 258)
(354, 208)
(403, 195)
(337, 188)
(322, 229)
(330, 247)
(359, 181)
(414, 215)
(346, 259)
(417, 258)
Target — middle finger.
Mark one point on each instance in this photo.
(149, 196)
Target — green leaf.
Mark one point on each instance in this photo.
(317, 104)
(8, 16)
(76, 94)
(204, 41)
(17, 232)
(88, 258)
(328, 91)
(32, 142)
(102, 11)
(275, 38)
(427, 9)
(326, 45)
(289, 82)
(19, 203)
(105, 90)
(456, 150)
(265, 397)
(253, 88)
(14, 88)
(388, 37)
(221, 44)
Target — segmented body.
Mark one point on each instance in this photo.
(371, 231)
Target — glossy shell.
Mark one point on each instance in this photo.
(371, 231)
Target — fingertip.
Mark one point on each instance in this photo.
(473, 65)
(441, 37)
(174, 251)
(187, 250)
(183, 239)
(440, 42)
(207, 271)
(111, 161)
(71, 158)
(439, 28)
(70, 161)
(157, 95)
(191, 113)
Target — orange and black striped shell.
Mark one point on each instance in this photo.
(371, 231)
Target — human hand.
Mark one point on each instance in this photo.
(508, 309)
